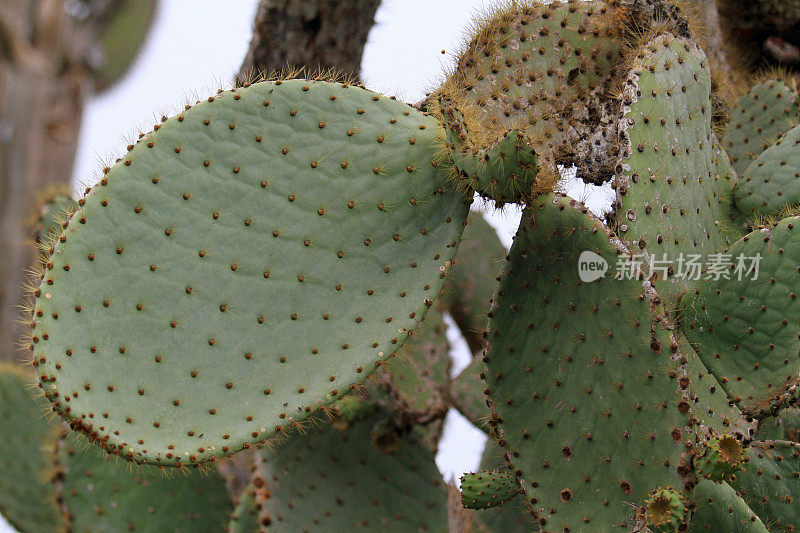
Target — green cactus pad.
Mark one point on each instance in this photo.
(770, 483)
(467, 295)
(338, 480)
(540, 68)
(790, 423)
(732, 222)
(513, 517)
(52, 217)
(243, 265)
(467, 394)
(484, 490)
(767, 111)
(102, 495)
(665, 511)
(245, 516)
(712, 408)
(772, 182)
(745, 330)
(718, 508)
(27, 499)
(416, 377)
(502, 169)
(122, 37)
(469, 288)
(721, 458)
(585, 384)
(666, 185)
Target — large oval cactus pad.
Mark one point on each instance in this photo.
(243, 264)
(584, 376)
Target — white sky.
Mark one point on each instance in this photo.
(197, 46)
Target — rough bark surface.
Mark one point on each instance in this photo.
(324, 34)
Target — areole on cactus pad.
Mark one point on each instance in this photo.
(243, 265)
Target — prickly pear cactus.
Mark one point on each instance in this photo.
(254, 312)
(244, 268)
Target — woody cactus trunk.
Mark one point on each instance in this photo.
(251, 279)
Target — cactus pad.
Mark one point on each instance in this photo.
(416, 377)
(512, 516)
(338, 480)
(241, 266)
(770, 483)
(467, 394)
(745, 329)
(586, 387)
(27, 500)
(721, 458)
(52, 216)
(759, 118)
(483, 490)
(772, 181)
(540, 68)
(245, 517)
(470, 286)
(666, 201)
(99, 495)
(502, 169)
(719, 508)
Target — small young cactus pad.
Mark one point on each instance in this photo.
(274, 242)
(483, 490)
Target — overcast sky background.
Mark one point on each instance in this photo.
(197, 46)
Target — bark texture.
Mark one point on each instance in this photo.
(318, 34)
